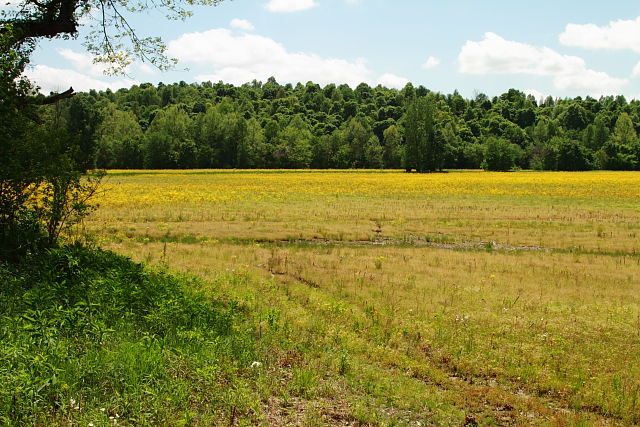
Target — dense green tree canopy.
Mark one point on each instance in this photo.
(217, 125)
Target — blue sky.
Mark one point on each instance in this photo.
(558, 48)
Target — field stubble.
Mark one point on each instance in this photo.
(451, 298)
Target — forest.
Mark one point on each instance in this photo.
(271, 125)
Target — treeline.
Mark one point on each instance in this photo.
(269, 125)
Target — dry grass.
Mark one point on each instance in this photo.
(491, 298)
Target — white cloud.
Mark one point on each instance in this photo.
(51, 79)
(242, 58)
(636, 70)
(392, 81)
(618, 35)
(432, 62)
(83, 62)
(242, 24)
(290, 5)
(146, 68)
(495, 55)
(595, 83)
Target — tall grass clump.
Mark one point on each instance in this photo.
(90, 337)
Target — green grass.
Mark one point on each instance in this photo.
(370, 306)
(91, 337)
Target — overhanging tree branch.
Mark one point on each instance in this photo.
(58, 97)
(47, 20)
(111, 40)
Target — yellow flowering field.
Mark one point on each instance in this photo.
(449, 298)
(594, 211)
(200, 186)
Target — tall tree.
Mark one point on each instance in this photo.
(392, 142)
(168, 139)
(82, 123)
(373, 153)
(119, 139)
(622, 148)
(294, 145)
(423, 150)
(208, 135)
(356, 136)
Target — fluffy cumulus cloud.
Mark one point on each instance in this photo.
(636, 70)
(51, 79)
(431, 62)
(619, 35)
(285, 6)
(392, 81)
(495, 55)
(242, 58)
(242, 24)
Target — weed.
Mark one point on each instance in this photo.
(303, 382)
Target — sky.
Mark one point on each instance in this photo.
(563, 48)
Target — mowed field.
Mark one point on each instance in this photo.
(390, 298)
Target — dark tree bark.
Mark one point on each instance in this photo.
(50, 19)
(58, 97)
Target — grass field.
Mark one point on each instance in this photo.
(392, 298)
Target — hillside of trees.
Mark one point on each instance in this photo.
(269, 125)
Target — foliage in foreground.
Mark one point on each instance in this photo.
(89, 336)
